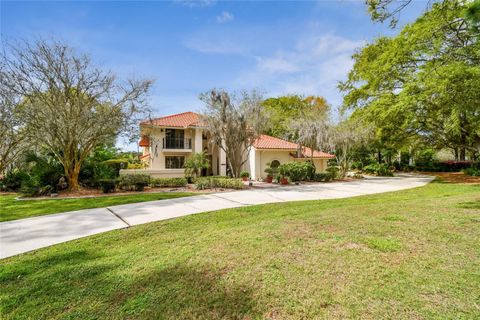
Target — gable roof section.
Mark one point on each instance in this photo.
(179, 120)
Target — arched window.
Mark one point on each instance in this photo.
(275, 164)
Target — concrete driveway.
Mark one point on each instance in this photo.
(24, 235)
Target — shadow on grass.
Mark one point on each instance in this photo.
(184, 292)
(469, 205)
(81, 284)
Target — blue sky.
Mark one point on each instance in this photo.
(190, 47)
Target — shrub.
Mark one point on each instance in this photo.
(117, 164)
(203, 183)
(378, 169)
(107, 185)
(296, 171)
(218, 182)
(132, 182)
(334, 172)
(13, 180)
(30, 187)
(356, 165)
(322, 177)
(310, 169)
(271, 171)
(168, 182)
(135, 166)
(474, 172)
(45, 168)
(244, 174)
(443, 166)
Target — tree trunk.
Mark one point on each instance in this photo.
(72, 172)
(462, 155)
(379, 156)
(463, 141)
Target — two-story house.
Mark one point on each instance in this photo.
(168, 141)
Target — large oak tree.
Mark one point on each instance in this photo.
(422, 83)
(69, 105)
(12, 134)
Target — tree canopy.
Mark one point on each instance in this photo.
(422, 83)
(234, 123)
(285, 109)
(68, 105)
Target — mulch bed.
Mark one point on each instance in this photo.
(455, 177)
(92, 193)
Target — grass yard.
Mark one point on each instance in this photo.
(412, 254)
(11, 209)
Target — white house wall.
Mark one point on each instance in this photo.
(267, 156)
(262, 157)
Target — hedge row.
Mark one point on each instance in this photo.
(218, 182)
(168, 182)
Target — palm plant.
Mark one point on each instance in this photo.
(195, 164)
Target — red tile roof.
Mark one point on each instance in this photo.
(307, 153)
(180, 120)
(268, 142)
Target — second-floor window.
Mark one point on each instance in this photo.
(174, 162)
(174, 139)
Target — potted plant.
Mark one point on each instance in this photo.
(245, 175)
(271, 173)
(284, 172)
(269, 178)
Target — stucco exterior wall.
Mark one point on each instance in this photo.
(167, 173)
(320, 164)
(267, 156)
(262, 157)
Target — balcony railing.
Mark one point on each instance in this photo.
(177, 143)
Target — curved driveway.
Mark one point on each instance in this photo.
(24, 235)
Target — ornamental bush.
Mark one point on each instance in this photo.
(322, 177)
(295, 171)
(473, 171)
(107, 185)
(378, 169)
(244, 174)
(133, 182)
(168, 182)
(334, 172)
(218, 182)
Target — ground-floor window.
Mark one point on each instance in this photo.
(275, 164)
(174, 162)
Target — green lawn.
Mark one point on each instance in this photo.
(413, 254)
(11, 209)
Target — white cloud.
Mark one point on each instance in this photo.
(312, 67)
(276, 65)
(224, 17)
(195, 3)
